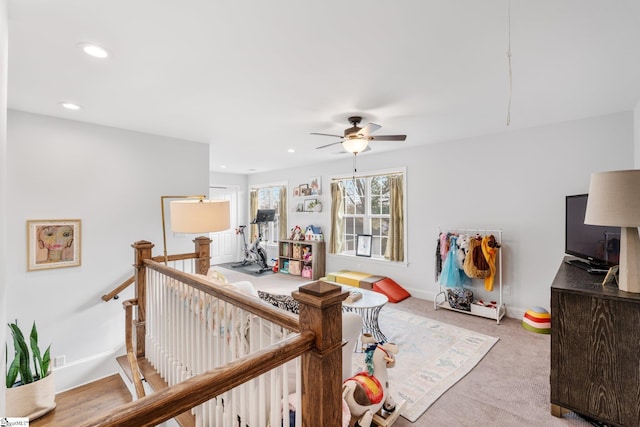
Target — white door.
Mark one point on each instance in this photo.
(224, 247)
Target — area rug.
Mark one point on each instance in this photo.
(251, 269)
(433, 356)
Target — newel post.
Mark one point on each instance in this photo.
(142, 251)
(321, 312)
(203, 254)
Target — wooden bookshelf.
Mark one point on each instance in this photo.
(301, 258)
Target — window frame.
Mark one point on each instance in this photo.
(270, 235)
(367, 218)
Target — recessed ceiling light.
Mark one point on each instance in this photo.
(291, 150)
(223, 166)
(70, 106)
(94, 50)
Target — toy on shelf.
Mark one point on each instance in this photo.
(307, 255)
(296, 233)
(313, 233)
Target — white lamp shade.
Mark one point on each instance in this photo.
(614, 199)
(355, 145)
(199, 216)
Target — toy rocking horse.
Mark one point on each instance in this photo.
(368, 391)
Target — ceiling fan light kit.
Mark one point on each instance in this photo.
(356, 139)
(355, 145)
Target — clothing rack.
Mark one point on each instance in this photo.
(497, 312)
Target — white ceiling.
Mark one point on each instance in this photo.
(254, 78)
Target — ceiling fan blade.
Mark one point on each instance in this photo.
(369, 129)
(326, 134)
(328, 145)
(387, 138)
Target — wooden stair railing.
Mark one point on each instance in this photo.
(176, 399)
(121, 287)
(316, 339)
(131, 354)
(202, 255)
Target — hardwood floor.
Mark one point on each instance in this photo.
(87, 401)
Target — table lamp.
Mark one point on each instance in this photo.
(195, 215)
(614, 200)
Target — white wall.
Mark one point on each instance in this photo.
(636, 135)
(3, 190)
(515, 181)
(239, 181)
(112, 180)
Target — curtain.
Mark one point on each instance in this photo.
(282, 214)
(253, 211)
(336, 240)
(395, 243)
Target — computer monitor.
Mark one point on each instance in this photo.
(265, 215)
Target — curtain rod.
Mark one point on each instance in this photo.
(367, 176)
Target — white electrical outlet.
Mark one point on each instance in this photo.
(59, 361)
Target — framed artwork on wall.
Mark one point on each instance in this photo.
(53, 243)
(315, 185)
(363, 245)
(310, 205)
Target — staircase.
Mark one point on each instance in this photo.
(152, 382)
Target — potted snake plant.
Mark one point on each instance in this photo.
(29, 381)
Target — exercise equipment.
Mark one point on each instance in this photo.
(255, 253)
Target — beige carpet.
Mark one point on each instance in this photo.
(433, 356)
(510, 387)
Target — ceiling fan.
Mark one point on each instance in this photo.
(356, 139)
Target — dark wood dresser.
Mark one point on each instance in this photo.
(595, 348)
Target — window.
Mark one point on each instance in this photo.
(269, 198)
(366, 210)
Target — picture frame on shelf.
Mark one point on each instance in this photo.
(363, 245)
(300, 207)
(304, 190)
(310, 205)
(53, 243)
(296, 191)
(315, 185)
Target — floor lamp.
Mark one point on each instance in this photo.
(195, 215)
(614, 200)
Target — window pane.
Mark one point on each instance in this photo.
(375, 248)
(349, 226)
(359, 224)
(375, 226)
(351, 244)
(384, 204)
(375, 204)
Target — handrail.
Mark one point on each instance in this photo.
(176, 399)
(121, 287)
(131, 355)
(124, 285)
(253, 305)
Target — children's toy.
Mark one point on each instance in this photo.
(307, 255)
(313, 233)
(368, 391)
(296, 233)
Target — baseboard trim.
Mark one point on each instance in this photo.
(86, 370)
